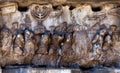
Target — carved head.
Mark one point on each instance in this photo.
(58, 36)
(5, 32)
(113, 27)
(28, 34)
(77, 27)
(39, 29)
(103, 30)
(68, 37)
(45, 37)
(64, 23)
(15, 25)
(109, 31)
(20, 37)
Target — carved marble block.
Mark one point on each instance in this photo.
(70, 34)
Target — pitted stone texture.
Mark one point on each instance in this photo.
(65, 36)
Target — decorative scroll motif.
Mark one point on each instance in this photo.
(78, 36)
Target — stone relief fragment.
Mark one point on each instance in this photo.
(18, 47)
(40, 12)
(29, 49)
(58, 36)
(7, 42)
(8, 8)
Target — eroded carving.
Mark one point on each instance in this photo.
(40, 12)
(59, 36)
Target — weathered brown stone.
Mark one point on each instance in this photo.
(60, 33)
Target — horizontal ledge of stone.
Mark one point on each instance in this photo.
(44, 70)
(25, 3)
(40, 70)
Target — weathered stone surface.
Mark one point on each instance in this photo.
(47, 70)
(40, 70)
(83, 35)
(103, 70)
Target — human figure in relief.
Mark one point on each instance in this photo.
(114, 29)
(30, 48)
(44, 43)
(67, 50)
(98, 41)
(108, 45)
(110, 38)
(18, 47)
(55, 50)
(38, 31)
(57, 38)
(41, 54)
(7, 42)
(6, 49)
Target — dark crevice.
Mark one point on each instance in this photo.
(118, 6)
(72, 7)
(96, 9)
(63, 4)
(57, 7)
(22, 9)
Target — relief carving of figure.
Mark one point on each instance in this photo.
(114, 29)
(59, 34)
(29, 49)
(15, 28)
(67, 52)
(55, 50)
(44, 43)
(7, 42)
(98, 40)
(41, 54)
(18, 47)
(108, 45)
(57, 37)
(6, 48)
